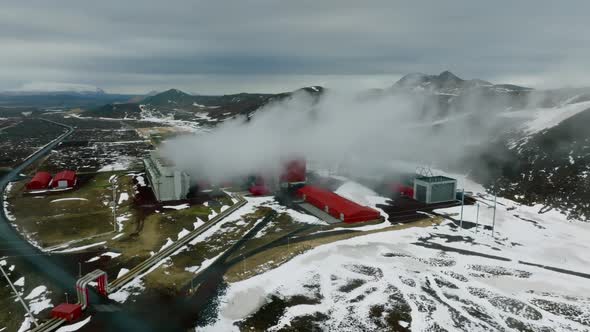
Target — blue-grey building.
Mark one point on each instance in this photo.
(434, 189)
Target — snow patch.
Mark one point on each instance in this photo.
(123, 197)
(68, 199)
(177, 207)
(75, 326)
(82, 247)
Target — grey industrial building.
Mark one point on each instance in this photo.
(435, 189)
(167, 182)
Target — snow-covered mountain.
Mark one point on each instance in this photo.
(448, 83)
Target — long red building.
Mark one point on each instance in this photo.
(337, 206)
(40, 181)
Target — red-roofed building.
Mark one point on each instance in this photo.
(64, 179)
(337, 206)
(67, 311)
(40, 181)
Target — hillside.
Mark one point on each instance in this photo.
(177, 105)
(552, 168)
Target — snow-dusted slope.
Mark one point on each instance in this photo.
(433, 279)
(538, 119)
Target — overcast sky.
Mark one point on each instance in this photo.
(223, 46)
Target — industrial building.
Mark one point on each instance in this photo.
(40, 181)
(67, 311)
(294, 173)
(64, 179)
(167, 182)
(293, 176)
(434, 189)
(337, 206)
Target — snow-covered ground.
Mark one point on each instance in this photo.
(543, 118)
(123, 197)
(106, 254)
(123, 163)
(81, 247)
(253, 203)
(68, 199)
(75, 326)
(38, 300)
(6, 206)
(435, 278)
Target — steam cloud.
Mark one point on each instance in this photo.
(360, 133)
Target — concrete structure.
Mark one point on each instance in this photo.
(167, 182)
(434, 189)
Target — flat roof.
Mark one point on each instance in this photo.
(438, 178)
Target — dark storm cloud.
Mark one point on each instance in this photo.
(137, 45)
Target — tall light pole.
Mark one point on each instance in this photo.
(113, 182)
(462, 205)
(477, 218)
(494, 217)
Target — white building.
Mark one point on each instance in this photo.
(168, 183)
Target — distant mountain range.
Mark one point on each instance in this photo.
(59, 99)
(179, 105)
(541, 153)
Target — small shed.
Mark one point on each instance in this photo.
(67, 311)
(64, 179)
(40, 181)
(435, 189)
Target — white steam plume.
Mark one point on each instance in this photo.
(359, 133)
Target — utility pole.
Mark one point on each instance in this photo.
(114, 187)
(462, 205)
(477, 218)
(19, 297)
(79, 269)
